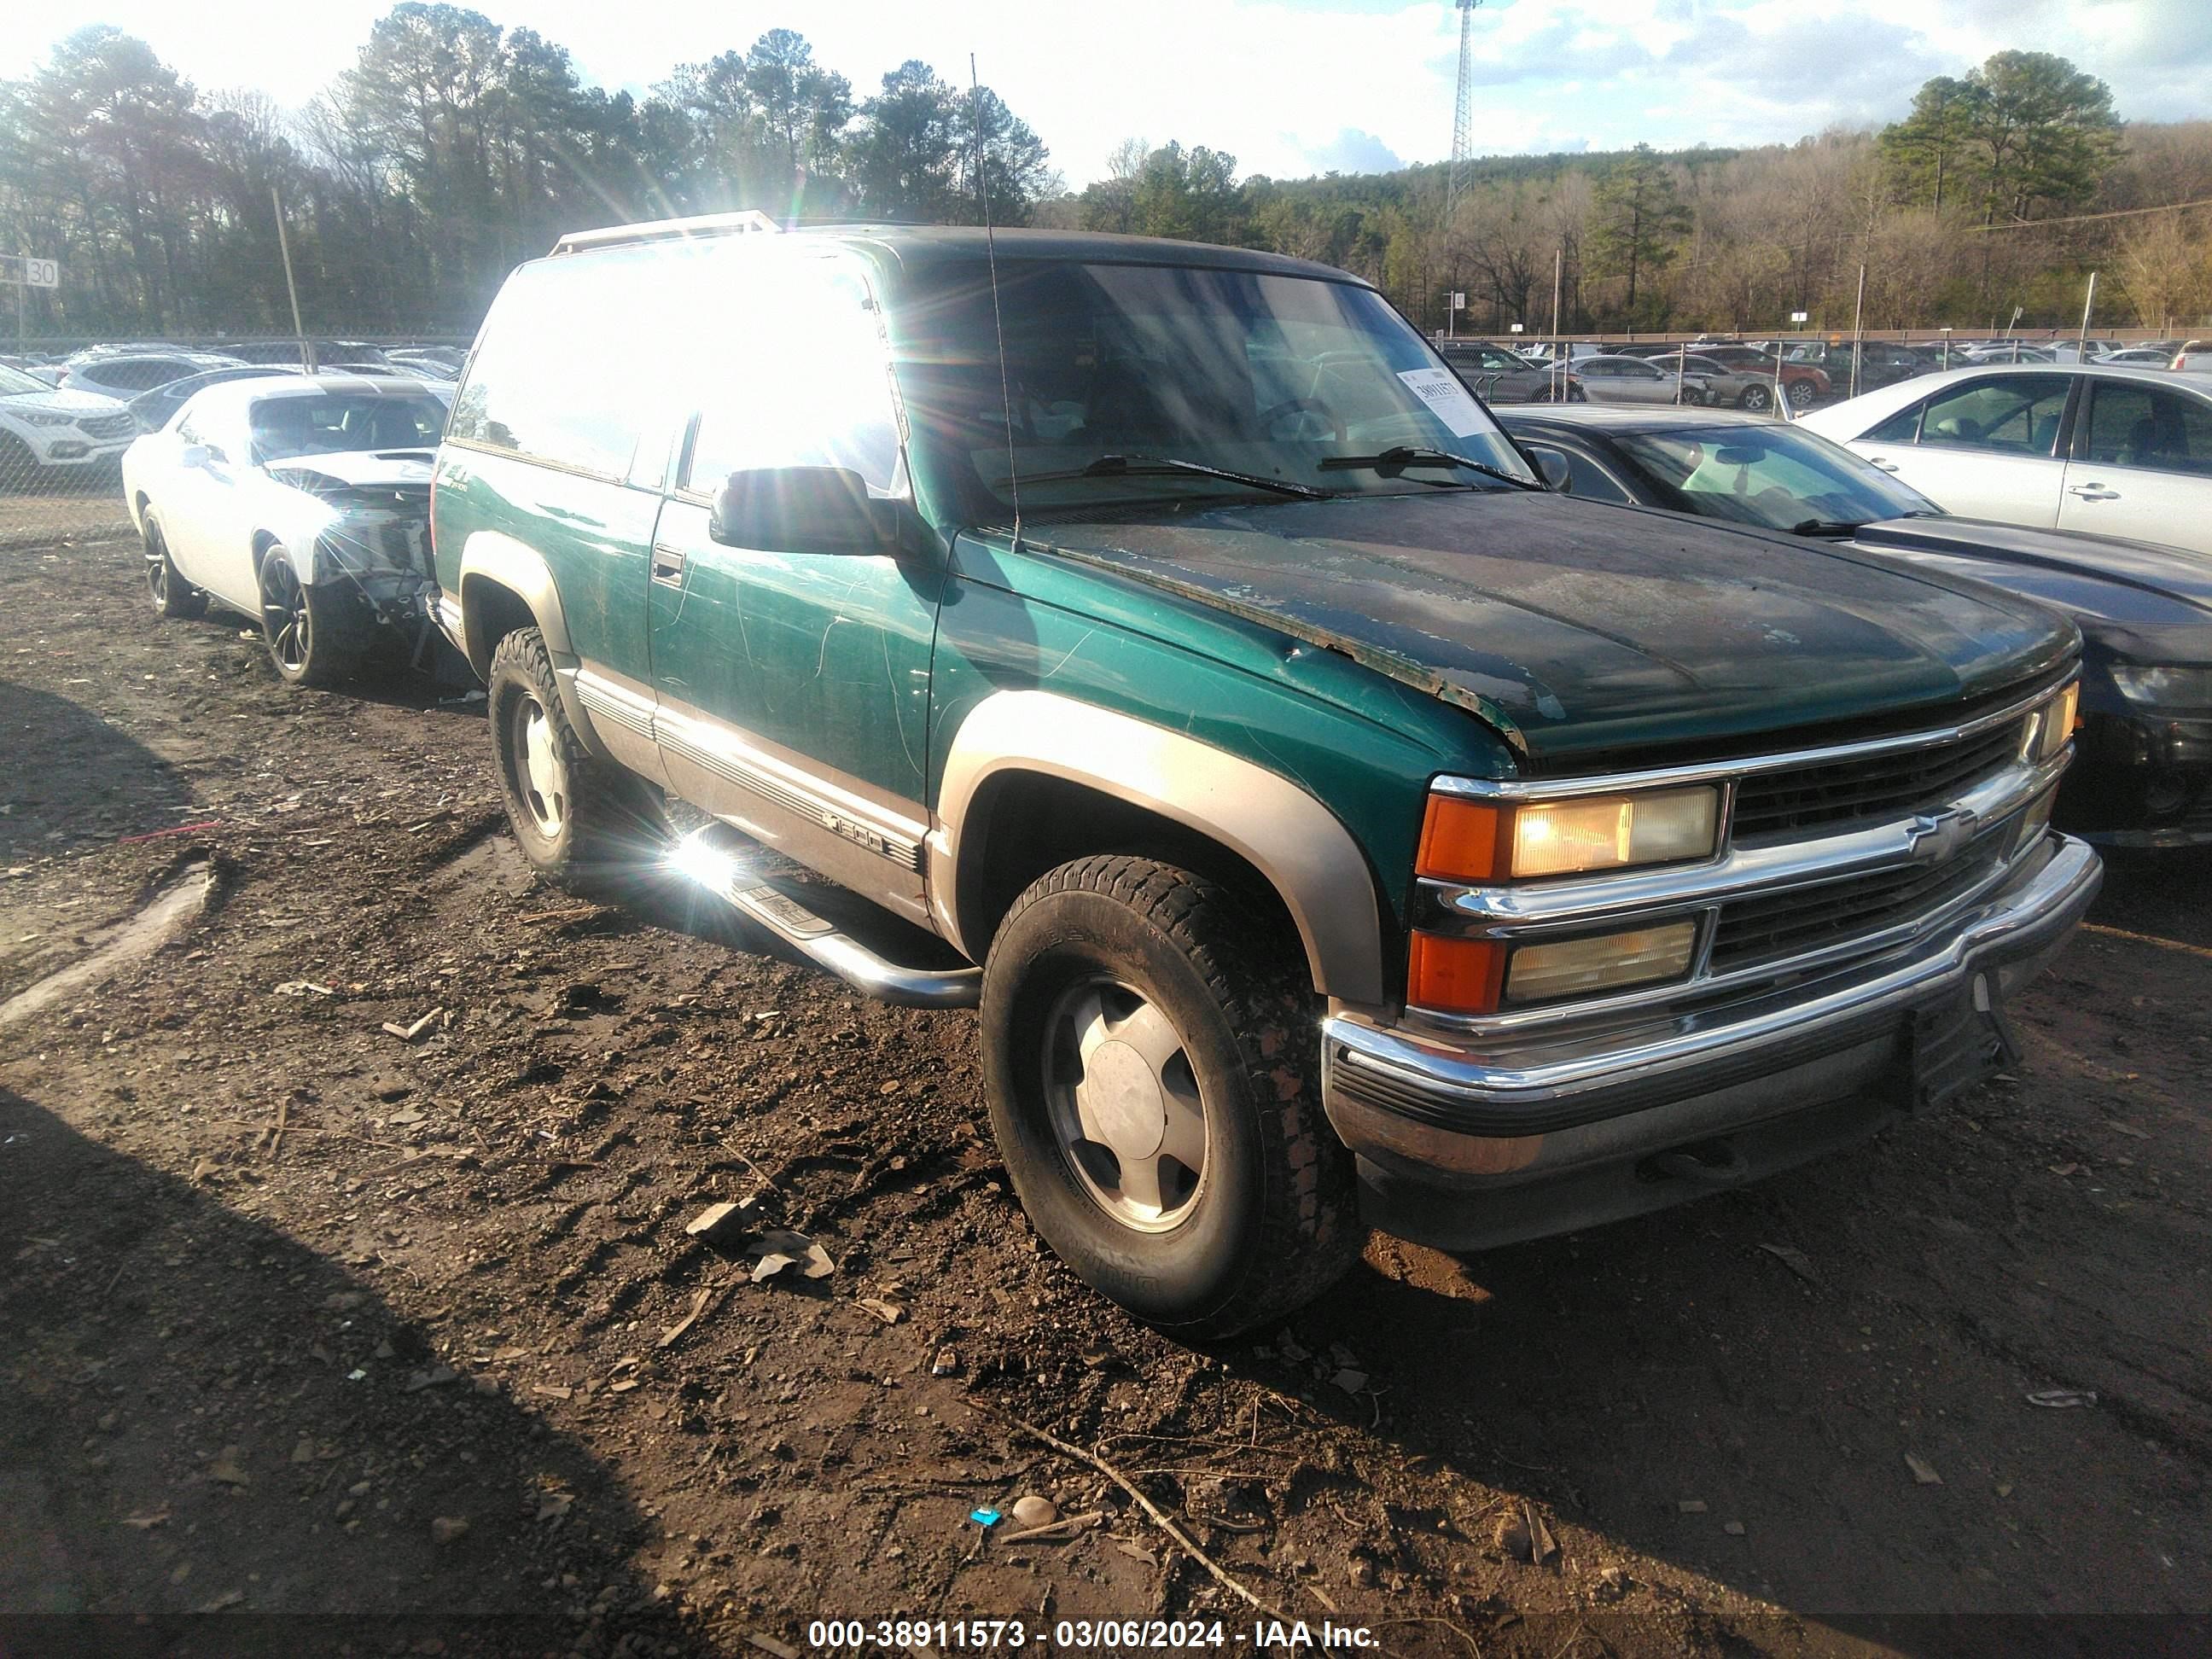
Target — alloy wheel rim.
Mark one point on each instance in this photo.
(1125, 1106)
(284, 613)
(157, 570)
(540, 777)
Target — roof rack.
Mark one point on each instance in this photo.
(745, 220)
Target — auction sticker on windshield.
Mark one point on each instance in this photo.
(1441, 392)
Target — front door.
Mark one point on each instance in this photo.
(1986, 449)
(2141, 466)
(793, 688)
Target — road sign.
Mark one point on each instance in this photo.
(1459, 301)
(1516, 327)
(30, 273)
(1797, 316)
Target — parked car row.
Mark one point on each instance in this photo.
(81, 410)
(1347, 811)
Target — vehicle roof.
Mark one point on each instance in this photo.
(1626, 417)
(1884, 400)
(260, 388)
(116, 359)
(920, 246)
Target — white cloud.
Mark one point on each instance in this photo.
(1283, 84)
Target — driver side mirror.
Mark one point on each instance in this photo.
(1553, 466)
(194, 455)
(802, 509)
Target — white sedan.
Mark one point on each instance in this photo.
(2111, 450)
(302, 503)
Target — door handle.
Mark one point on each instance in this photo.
(1886, 466)
(668, 566)
(2093, 492)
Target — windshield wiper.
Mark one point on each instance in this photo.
(1398, 457)
(1825, 527)
(1155, 467)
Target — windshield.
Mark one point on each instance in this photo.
(284, 427)
(1246, 372)
(13, 383)
(1779, 477)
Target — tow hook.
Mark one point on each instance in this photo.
(1704, 1164)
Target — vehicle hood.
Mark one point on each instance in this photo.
(354, 468)
(62, 401)
(1578, 628)
(2138, 601)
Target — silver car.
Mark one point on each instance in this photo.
(1637, 380)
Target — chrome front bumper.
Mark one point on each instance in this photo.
(1538, 1109)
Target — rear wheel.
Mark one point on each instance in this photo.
(1756, 398)
(580, 821)
(1153, 1075)
(1800, 394)
(317, 635)
(172, 595)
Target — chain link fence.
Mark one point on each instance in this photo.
(68, 408)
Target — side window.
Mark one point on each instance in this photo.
(1592, 482)
(2141, 426)
(2015, 414)
(564, 370)
(810, 386)
(1902, 428)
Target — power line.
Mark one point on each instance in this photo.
(2085, 218)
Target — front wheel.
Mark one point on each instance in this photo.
(1154, 1083)
(580, 821)
(317, 635)
(1756, 398)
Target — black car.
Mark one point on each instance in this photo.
(154, 408)
(2143, 776)
(286, 353)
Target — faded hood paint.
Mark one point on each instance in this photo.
(1578, 628)
(359, 468)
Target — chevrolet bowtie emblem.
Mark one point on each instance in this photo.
(1936, 835)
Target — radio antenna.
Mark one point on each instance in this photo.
(998, 320)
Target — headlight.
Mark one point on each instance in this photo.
(2047, 728)
(34, 418)
(2163, 685)
(1475, 976)
(1483, 840)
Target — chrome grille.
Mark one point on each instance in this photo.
(1871, 789)
(107, 426)
(1805, 920)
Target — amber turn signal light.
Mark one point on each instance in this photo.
(1465, 841)
(1455, 976)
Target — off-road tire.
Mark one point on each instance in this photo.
(613, 827)
(320, 642)
(1276, 1221)
(174, 598)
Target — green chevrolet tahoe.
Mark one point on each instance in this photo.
(1336, 828)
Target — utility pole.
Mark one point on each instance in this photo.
(284, 248)
(1858, 332)
(1462, 111)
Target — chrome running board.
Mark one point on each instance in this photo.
(700, 857)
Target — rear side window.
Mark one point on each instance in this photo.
(2143, 426)
(810, 388)
(564, 372)
(2016, 415)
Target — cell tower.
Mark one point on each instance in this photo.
(1463, 109)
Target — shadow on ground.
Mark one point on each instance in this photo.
(209, 1420)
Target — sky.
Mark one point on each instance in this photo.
(1288, 87)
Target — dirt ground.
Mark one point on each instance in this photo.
(314, 1335)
